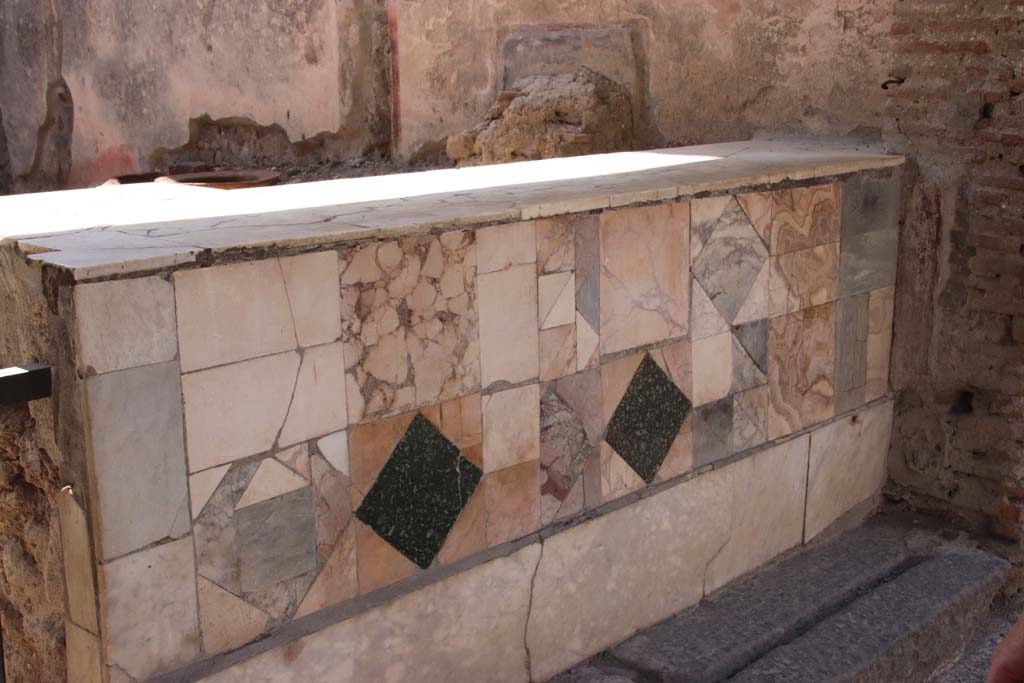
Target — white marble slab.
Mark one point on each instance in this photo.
(116, 230)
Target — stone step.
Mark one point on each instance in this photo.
(904, 630)
(880, 603)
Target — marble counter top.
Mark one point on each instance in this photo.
(115, 230)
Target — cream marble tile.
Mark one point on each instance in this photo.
(124, 324)
(880, 318)
(847, 465)
(769, 489)
(335, 449)
(712, 368)
(645, 279)
(227, 622)
(235, 411)
(137, 455)
(511, 422)
(318, 405)
(476, 619)
(504, 246)
(78, 561)
(150, 609)
(311, 282)
(272, 479)
(617, 477)
(83, 655)
(556, 296)
(590, 591)
(232, 313)
(508, 325)
(512, 502)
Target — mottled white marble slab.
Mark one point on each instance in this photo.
(117, 230)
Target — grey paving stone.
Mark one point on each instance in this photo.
(741, 623)
(904, 630)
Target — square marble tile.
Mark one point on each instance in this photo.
(256, 537)
(509, 347)
(318, 401)
(125, 324)
(419, 493)
(138, 458)
(410, 328)
(871, 201)
(231, 313)
(311, 282)
(234, 411)
(556, 242)
(511, 422)
(647, 419)
(645, 278)
(149, 608)
(512, 501)
(802, 279)
(729, 257)
(571, 427)
(801, 369)
(504, 246)
(804, 217)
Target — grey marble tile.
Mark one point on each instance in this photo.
(871, 202)
(867, 262)
(851, 351)
(730, 261)
(138, 456)
(712, 431)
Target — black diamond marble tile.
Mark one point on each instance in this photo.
(647, 420)
(419, 493)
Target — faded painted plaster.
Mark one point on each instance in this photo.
(718, 69)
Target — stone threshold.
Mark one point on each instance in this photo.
(115, 231)
(352, 608)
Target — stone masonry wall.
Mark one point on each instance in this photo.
(955, 106)
(31, 575)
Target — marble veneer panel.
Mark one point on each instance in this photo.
(234, 411)
(138, 458)
(571, 428)
(870, 232)
(124, 324)
(801, 369)
(847, 465)
(410, 325)
(805, 217)
(644, 275)
(591, 589)
(475, 619)
(508, 302)
(851, 351)
(245, 310)
(879, 344)
(768, 494)
(76, 549)
(646, 407)
(149, 608)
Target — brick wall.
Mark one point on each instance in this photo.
(956, 107)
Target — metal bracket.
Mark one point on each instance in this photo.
(24, 383)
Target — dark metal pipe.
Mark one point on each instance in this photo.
(24, 383)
